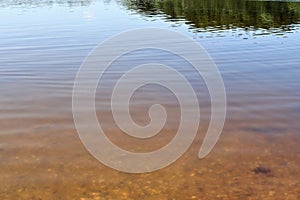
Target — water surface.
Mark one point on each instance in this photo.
(255, 45)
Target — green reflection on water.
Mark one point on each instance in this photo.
(223, 14)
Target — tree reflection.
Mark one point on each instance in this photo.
(223, 14)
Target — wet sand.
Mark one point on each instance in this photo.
(47, 164)
(42, 156)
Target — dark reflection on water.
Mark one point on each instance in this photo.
(212, 15)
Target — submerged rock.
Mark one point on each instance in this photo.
(261, 169)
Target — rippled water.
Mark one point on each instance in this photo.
(256, 46)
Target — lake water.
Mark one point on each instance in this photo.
(256, 46)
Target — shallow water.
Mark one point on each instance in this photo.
(255, 46)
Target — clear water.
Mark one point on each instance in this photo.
(256, 46)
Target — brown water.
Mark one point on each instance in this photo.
(42, 45)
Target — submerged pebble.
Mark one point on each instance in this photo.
(261, 169)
